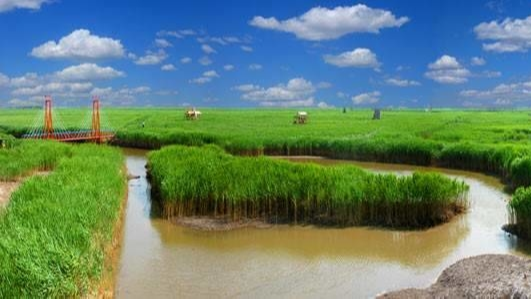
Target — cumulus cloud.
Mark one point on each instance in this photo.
(228, 67)
(246, 48)
(206, 77)
(162, 43)
(80, 44)
(478, 61)
(55, 88)
(321, 23)
(88, 72)
(208, 49)
(201, 80)
(358, 58)
(502, 94)
(255, 67)
(297, 92)
(324, 105)
(7, 5)
(402, 82)
(4, 80)
(509, 35)
(152, 58)
(366, 98)
(447, 70)
(168, 67)
(324, 85)
(122, 96)
(205, 61)
(186, 60)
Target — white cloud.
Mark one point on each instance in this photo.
(221, 40)
(228, 67)
(87, 72)
(246, 87)
(4, 80)
(168, 67)
(358, 58)
(80, 44)
(246, 48)
(447, 70)
(478, 61)
(502, 93)
(509, 35)
(208, 49)
(204, 61)
(320, 23)
(162, 43)
(55, 88)
(210, 74)
(324, 105)
(123, 96)
(366, 98)
(402, 82)
(7, 5)
(201, 80)
(297, 92)
(186, 60)
(152, 58)
(324, 85)
(255, 67)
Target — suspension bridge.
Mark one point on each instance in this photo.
(50, 126)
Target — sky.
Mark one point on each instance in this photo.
(267, 53)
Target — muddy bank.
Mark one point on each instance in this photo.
(218, 223)
(7, 188)
(483, 276)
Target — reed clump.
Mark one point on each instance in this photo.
(520, 213)
(206, 181)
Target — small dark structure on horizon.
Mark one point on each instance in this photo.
(300, 118)
(377, 114)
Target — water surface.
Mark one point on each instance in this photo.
(161, 260)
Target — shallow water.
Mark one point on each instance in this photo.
(160, 259)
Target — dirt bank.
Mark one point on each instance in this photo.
(7, 188)
(483, 276)
(217, 224)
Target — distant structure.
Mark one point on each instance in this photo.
(192, 114)
(377, 114)
(300, 118)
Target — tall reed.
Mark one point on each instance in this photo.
(192, 181)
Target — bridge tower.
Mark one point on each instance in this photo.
(96, 130)
(48, 121)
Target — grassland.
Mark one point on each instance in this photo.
(207, 181)
(493, 142)
(57, 230)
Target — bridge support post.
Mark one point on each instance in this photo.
(48, 121)
(96, 129)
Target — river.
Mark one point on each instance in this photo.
(162, 260)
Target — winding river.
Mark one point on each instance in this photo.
(159, 259)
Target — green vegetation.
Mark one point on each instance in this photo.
(494, 142)
(57, 228)
(520, 209)
(207, 181)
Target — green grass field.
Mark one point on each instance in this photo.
(494, 142)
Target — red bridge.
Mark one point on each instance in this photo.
(95, 133)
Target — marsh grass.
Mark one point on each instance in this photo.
(206, 181)
(55, 229)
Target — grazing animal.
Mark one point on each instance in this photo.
(192, 114)
(300, 118)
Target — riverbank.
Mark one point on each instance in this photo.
(484, 276)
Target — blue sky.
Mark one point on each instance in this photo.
(375, 53)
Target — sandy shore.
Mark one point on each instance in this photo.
(483, 276)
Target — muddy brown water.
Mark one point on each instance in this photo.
(162, 260)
